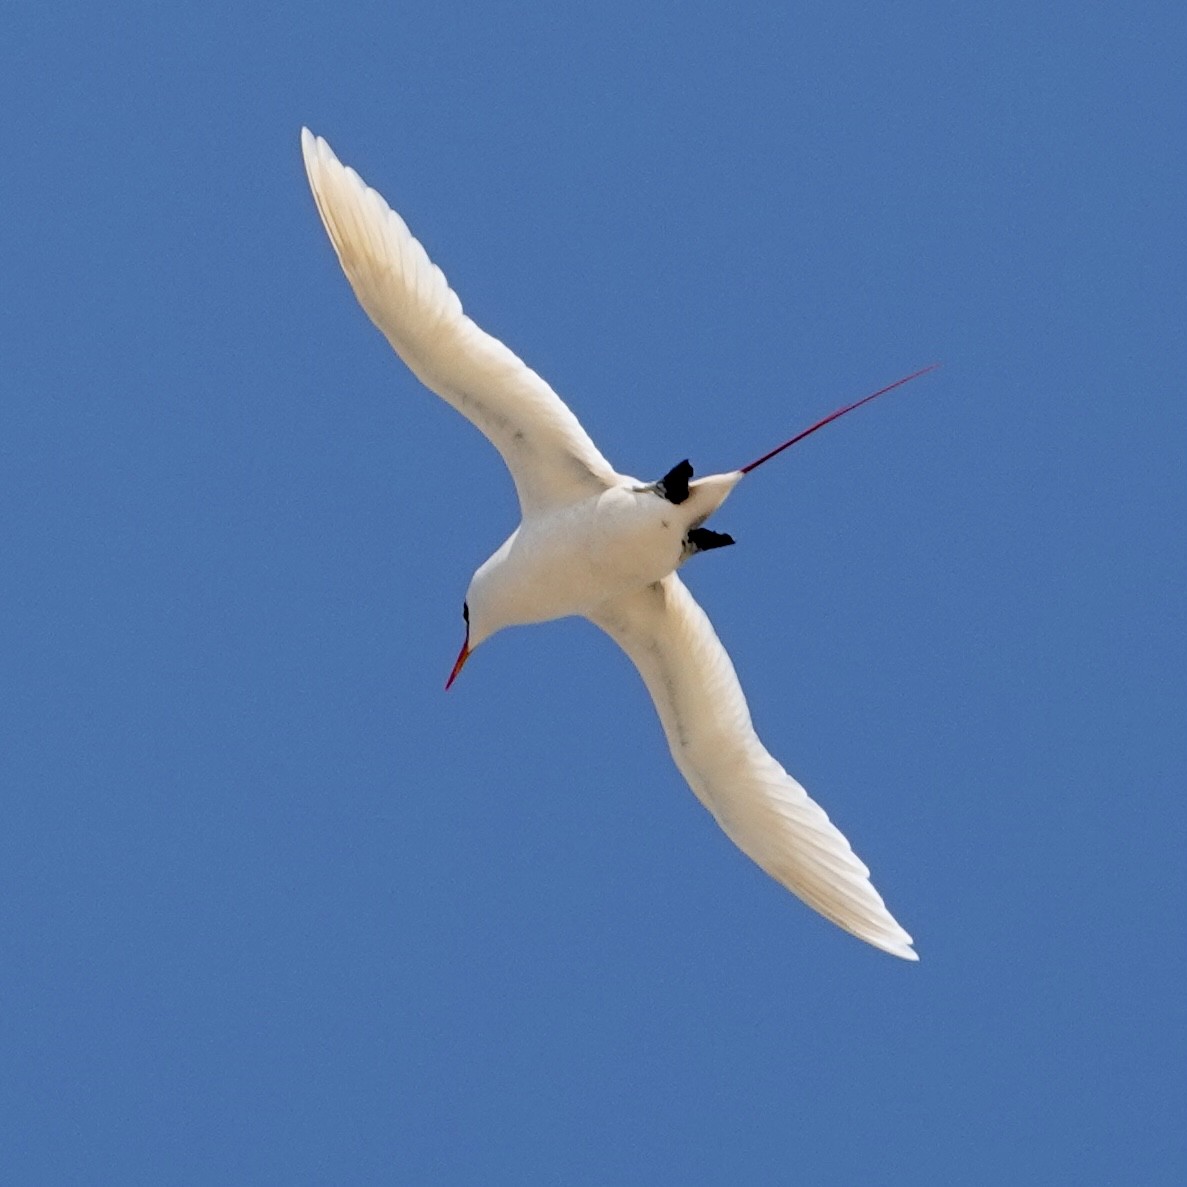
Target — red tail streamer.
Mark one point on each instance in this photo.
(766, 457)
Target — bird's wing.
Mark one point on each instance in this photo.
(549, 454)
(762, 809)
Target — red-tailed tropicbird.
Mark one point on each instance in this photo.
(603, 545)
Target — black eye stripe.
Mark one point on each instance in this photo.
(466, 612)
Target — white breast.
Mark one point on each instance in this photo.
(569, 560)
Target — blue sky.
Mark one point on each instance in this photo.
(275, 909)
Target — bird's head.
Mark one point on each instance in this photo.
(468, 645)
(489, 604)
(478, 613)
(464, 654)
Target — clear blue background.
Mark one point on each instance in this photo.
(277, 910)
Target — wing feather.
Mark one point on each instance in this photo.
(551, 458)
(762, 809)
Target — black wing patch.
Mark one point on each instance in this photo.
(674, 484)
(704, 539)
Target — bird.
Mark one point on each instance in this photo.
(604, 546)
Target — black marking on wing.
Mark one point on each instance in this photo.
(674, 484)
(705, 539)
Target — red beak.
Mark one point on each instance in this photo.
(462, 656)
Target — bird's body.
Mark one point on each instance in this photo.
(603, 545)
(571, 559)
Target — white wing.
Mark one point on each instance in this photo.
(762, 809)
(549, 454)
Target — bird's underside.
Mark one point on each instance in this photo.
(555, 467)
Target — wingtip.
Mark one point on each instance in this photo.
(892, 947)
(316, 151)
(308, 149)
(310, 145)
(901, 946)
(892, 939)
